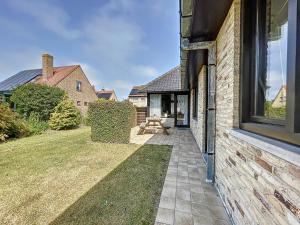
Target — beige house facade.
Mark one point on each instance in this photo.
(138, 97)
(255, 170)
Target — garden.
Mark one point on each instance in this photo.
(54, 170)
(39, 107)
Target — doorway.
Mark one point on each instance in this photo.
(182, 115)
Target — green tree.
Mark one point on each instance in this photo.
(37, 98)
(65, 116)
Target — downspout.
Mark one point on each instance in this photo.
(211, 101)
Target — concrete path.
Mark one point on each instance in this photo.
(186, 198)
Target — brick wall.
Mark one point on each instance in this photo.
(256, 186)
(87, 93)
(197, 124)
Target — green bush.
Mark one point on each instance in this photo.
(65, 116)
(37, 98)
(36, 125)
(86, 121)
(111, 121)
(11, 126)
(274, 113)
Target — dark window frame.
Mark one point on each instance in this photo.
(195, 103)
(285, 130)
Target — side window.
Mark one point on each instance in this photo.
(270, 79)
(78, 85)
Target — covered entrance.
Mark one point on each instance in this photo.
(167, 100)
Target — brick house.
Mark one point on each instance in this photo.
(138, 97)
(107, 95)
(236, 55)
(71, 78)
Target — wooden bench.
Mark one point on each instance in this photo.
(152, 123)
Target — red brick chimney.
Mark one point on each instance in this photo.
(47, 61)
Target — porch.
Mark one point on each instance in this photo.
(186, 197)
(166, 99)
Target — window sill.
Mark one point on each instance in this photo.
(287, 152)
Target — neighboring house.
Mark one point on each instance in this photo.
(69, 78)
(168, 100)
(138, 97)
(107, 95)
(280, 99)
(228, 49)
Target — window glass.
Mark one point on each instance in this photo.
(271, 83)
(166, 105)
(78, 85)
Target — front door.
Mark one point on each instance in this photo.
(182, 117)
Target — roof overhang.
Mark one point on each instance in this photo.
(200, 20)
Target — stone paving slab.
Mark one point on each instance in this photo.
(186, 198)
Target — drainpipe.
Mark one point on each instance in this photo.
(211, 101)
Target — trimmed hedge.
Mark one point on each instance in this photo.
(111, 121)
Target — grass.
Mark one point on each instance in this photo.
(61, 177)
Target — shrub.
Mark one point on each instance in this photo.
(37, 98)
(11, 126)
(36, 125)
(65, 116)
(111, 121)
(86, 121)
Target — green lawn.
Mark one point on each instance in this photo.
(61, 177)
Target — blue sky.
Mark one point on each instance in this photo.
(119, 43)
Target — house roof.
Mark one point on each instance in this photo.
(170, 81)
(59, 73)
(137, 91)
(105, 94)
(18, 79)
(25, 76)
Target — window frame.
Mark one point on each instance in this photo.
(80, 85)
(285, 130)
(195, 103)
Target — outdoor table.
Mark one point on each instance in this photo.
(154, 122)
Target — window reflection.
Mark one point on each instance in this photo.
(272, 81)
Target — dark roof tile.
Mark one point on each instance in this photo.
(170, 81)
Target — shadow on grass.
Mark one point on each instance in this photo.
(129, 195)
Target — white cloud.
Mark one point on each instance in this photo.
(110, 39)
(145, 71)
(15, 61)
(50, 16)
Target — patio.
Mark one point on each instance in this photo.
(186, 198)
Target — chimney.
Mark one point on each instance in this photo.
(47, 61)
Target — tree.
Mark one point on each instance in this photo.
(65, 116)
(37, 98)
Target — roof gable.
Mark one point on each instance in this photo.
(170, 81)
(137, 91)
(105, 94)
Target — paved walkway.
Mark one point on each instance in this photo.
(186, 198)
